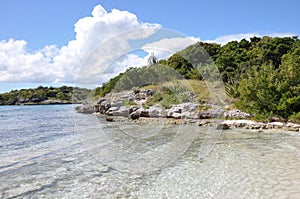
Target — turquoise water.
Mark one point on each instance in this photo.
(52, 152)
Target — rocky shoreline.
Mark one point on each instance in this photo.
(132, 106)
(46, 102)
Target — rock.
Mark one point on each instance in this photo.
(133, 108)
(175, 111)
(204, 115)
(96, 108)
(176, 116)
(277, 119)
(292, 128)
(104, 106)
(156, 111)
(116, 103)
(122, 111)
(135, 115)
(190, 115)
(144, 112)
(204, 123)
(109, 119)
(189, 107)
(149, 92)
(101, 100)
(23, 100)
(275, 125)
(85, 109)
(112, 110)
(136, 91)
(222, 127)
(237, 114)
(216, 113)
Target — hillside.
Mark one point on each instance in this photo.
(261, 76)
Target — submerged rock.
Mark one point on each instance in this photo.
(85, 109)
(222, 127)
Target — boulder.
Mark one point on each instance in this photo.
(222, 127)
(100, 100)
(122, 111)
(156, 111)
(116, 103)
(112, 110)
(135, 115)
(191, 107)
(174, 111)
(204, 115)
(237, 114)
(190, 115)
(176, 115)
(85, 109)
(110, 119)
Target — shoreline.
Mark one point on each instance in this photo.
(129, 106)
(37, 104)
(222, 124)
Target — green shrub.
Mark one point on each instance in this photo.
(169, 100)
(295, 118)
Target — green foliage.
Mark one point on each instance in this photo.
(127, 103)
(261, 74)
(109, 86)
(258, 90)
(169, 100)
(138, 77)
(35, 96)
(295, 118)
(231, 89)
(271, 90)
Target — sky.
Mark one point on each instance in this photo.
(51, 42)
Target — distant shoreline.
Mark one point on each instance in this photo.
(41, 104)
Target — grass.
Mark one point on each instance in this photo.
(178, 91)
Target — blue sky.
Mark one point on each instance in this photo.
(41, 30)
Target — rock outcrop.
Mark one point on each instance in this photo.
(132, 106)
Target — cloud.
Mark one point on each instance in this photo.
(167, 46)
(101, 49)
(16, 65)
(162, 49)
(52, 64)
(237, 37)
(121, 65)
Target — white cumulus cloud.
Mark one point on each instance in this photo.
(167, 46)
(52, 64)
(101, 46)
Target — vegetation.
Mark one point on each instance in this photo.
(64, 94)
(260, 76)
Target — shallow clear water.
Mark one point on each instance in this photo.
(52, 152)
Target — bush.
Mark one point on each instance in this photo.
(295, 118)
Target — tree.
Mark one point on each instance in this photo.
(182, 66)
(289, 87)
(258, 90)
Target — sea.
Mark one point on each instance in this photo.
(50, 151)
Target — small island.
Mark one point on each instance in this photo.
(44, 95)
